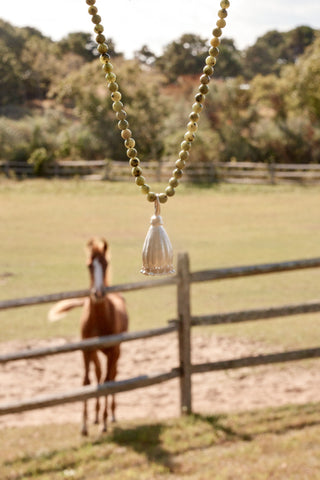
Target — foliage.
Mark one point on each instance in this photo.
(39, 159)
(275, 49)
(186, 55)
(256, 103)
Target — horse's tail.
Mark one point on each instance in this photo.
(57, 311)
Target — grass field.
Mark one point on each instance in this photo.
(45, 225)
(279, 443)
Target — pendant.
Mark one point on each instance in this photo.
(157, 253)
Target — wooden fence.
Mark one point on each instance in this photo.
(200, 172)
(182, 325)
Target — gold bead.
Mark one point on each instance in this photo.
(221, 23)
(215, 42)
(170, 191)
(90, 2)
(185, 145)
(111, 77)
(151, 196)
(117, 106)
(208, 70)
(130, 143)
(132, 152)
(200, 97)
(100, 38)
(96, 19)
(183, 155)
(107, 67)
(204, 79)
(217, 32)
(92, 10)
(113, 86)
(204, 89)
(180, 164)
(104, 58)
(211, 61)
(224, 4)
(122, 114)
(125, 134)
(194, 117)
(102, 48)
(173, 182)
(192, 126)
(98, 28)
(197, 107)
(123, 124)
(140, 180)
(145, 188)
(136, 171)
(177, 173)
(223, 13)
(214, 51)
(116, 97)
(134, 162)
(163, 198)
(189, 136)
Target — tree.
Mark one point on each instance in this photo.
(229, 62)
(258, 59)
(80, 43)
(275, 49)
(11, 83)
(184, 56)
(145, 56)
(296, 41)
(302, 80)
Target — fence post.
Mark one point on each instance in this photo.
(184, 316)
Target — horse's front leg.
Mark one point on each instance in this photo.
(112, 356)
(97, 367)
(86, 381)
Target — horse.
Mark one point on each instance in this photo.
(101, 315)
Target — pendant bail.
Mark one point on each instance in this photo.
(157, 252)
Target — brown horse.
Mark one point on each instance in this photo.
(102, 315)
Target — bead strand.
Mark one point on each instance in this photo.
(197, 107)
(121, 114)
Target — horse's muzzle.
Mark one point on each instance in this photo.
(97, 294)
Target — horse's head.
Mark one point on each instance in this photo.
(97, 263)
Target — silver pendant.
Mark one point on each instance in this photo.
(157, 252)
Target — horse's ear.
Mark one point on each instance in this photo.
(105, 246)
(89, 245)
(88, 249)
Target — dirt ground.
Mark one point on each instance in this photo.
(216, 392)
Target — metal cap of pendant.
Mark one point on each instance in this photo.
(157, 252)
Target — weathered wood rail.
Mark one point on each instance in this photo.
(197, 172)
(182, 326)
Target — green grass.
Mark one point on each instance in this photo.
(272, 444)
(45, 225)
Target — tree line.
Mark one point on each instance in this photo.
(263, 103)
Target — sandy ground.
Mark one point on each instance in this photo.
(212, 393)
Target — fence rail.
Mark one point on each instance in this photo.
(182, 326)
(202, 172)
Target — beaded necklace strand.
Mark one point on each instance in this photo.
(157, 251)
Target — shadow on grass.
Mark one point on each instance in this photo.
(145, 440)
(148, 440)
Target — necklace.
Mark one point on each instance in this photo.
(157, 254)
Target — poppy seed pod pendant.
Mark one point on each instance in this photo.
(157, 253)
